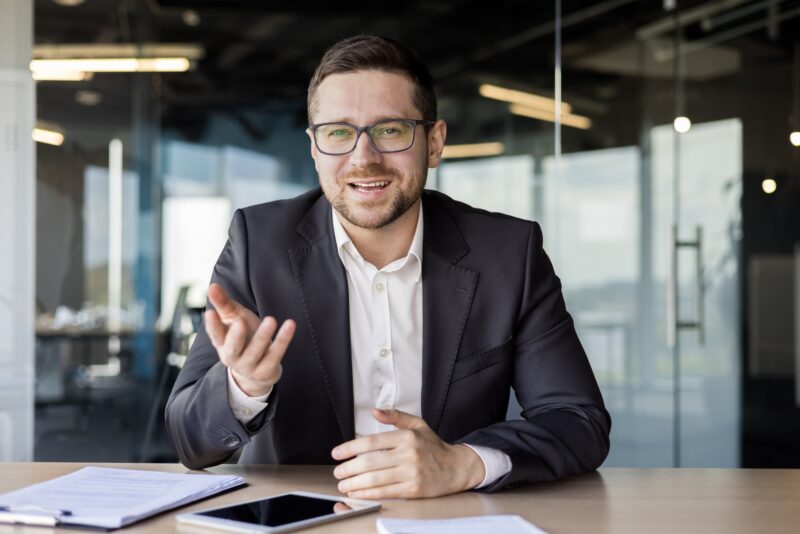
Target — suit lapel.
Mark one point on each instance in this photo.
(322, 282)
(447, 293)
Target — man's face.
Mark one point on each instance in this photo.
(368, 188)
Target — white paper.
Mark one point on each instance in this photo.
(111, 498)
(487, 524)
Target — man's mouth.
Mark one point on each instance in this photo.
(369, 187)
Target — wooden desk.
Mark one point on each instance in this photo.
(613, 500)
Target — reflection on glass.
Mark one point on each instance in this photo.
(503, 184)
(711, 186)
(277, 511)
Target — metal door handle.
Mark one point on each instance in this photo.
(674, 324)
(701, 291)
(672, 288)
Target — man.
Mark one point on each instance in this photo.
(407, 316)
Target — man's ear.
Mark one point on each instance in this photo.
(436, 138)
(314, 152)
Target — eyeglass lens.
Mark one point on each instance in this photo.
(386, 136)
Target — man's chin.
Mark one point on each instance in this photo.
(371, 214)
(371, 221)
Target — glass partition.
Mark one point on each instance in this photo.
(561, 112)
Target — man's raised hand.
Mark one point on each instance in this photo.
(245, 344)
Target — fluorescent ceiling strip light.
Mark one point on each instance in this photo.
(158, 64)
(102, 50)
(476, 150)
(48, 137)
(521, 97)
(62, 75)
(164, 64)
(567, 119)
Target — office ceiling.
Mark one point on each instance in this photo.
(261, 53)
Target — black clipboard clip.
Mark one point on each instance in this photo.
(31, 514)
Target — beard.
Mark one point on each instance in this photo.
(380, 215)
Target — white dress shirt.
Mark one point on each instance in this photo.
(385, 344)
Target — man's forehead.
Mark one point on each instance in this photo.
(352, 96)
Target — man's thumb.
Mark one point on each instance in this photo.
(397, 418)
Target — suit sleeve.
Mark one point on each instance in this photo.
(565, 426)
(199, 418)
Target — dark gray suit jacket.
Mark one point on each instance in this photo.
(493, 318)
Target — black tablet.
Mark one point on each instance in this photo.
(279, 513)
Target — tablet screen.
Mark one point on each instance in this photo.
(278, 511)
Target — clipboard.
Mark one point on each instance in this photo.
(102, 498)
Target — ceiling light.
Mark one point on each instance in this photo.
(88, 98)
(794, 138)
(476, 150)
(111, 50)
(164, 64)
(62, 76)
(191, 18)
(157, 64)
(769, 186)
(521, 97)
(77, 62)
(682, 124)
(69, 3)
(48, 137)
(567, 119)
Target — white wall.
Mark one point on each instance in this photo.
(17, 231)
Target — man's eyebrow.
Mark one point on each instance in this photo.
(351, 121)
(348, 120)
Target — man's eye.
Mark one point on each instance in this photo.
(341, 132)
(384, 132)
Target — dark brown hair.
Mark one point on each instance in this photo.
(372, 52)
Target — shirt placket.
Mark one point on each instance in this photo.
(386, 386)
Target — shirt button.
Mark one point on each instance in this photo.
(379, 286)
(383, 353)
(248, 412)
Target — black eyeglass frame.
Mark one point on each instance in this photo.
(366, 129)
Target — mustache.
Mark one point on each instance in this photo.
(370, 171)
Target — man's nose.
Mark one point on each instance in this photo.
(364, 153)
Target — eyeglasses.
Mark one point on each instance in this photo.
(386, 136)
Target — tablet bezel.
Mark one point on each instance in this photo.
(194, 518)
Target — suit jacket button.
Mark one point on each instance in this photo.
(231, 440)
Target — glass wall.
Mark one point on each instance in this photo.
(17, 215)
(560, 112)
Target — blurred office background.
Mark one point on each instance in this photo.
(656, 141)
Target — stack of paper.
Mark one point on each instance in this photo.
(108, 498)
(487, 524)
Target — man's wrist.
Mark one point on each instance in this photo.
(476, 470)
(248, 388)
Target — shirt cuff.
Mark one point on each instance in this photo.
(495, 463)
(245, 408)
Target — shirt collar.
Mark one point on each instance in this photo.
(345, 245)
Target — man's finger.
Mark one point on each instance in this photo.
(214, 328)
(235, 340)
(281, 342)
(364, 463)
(260, 342)
(391, 491)
(398, 418)
(373, 442)
(225, 306)
(372, 479)
(341, 508)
